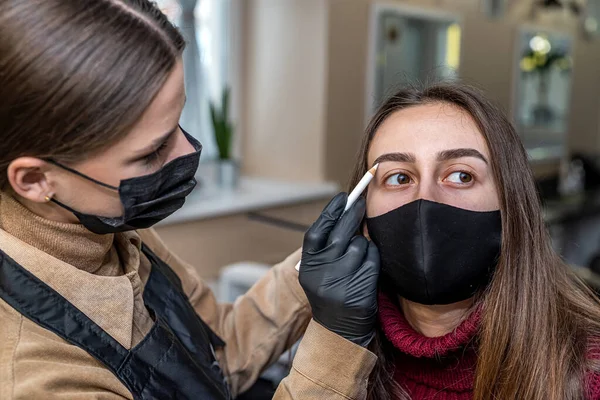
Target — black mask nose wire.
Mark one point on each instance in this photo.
(73, 171)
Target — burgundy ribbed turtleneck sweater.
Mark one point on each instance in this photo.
(439, 368)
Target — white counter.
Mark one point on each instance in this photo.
(252, 194)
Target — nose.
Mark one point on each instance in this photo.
(182, 146)
(428, 190)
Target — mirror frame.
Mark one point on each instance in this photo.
(378, 8)
(590, 22)
(540, 154)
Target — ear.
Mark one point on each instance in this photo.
(28, 178)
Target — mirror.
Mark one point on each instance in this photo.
(494, 8)
(591, 18)
(543, 74)
(410, 45)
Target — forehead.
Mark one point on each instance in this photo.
(161, 116)
(425, 130)
(167, 104)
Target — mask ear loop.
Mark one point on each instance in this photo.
(71, 170)
(66, 207)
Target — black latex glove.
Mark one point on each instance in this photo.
(339, 272)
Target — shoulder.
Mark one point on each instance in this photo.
(593, 385)
(35, 362)
(593, 374)
(190, 279)
(9, 332)
(151, 239)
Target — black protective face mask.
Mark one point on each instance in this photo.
(433, 253)
(146, 199)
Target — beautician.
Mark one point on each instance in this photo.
(92, 303)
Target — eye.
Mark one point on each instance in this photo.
(397, 180)
(460, 177)
(152, 158)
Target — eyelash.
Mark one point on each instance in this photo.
(153, 157)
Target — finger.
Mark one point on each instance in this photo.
(353, 257)
(366, 277)
(372, 262)
(373, 253)
(346, 228)
(316, 236)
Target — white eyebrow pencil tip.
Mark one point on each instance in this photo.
(355, 194)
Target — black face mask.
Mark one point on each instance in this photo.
(433, 253)
(146, 199)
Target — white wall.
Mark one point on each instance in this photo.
(286, 67)
(305, 81)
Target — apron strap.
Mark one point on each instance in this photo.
(43, 305)
(152, 297)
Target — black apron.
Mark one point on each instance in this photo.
(174, 361)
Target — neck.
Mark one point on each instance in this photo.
(436, 320)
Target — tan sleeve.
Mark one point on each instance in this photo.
(327, 367)
(258, 327)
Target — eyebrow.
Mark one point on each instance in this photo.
(156, 143)
(396, 157)
(444, 155)
(460, 153)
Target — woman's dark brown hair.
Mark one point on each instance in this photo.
(76, 75)
(538, 320)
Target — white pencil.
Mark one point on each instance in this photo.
(355, 194)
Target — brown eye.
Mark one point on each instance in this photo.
(398, 179)
(465, 178)
(460, 177)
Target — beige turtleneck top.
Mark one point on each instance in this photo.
(104, 277)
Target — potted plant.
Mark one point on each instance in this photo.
(227, 169)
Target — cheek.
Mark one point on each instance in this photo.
(92, 199)
(482, 198)
(486, 197)
(380, 201)
(104, 205)
(489, 201)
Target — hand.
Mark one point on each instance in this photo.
(339, 272)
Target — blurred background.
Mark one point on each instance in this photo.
(279, 92)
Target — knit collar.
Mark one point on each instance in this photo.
(71, 243)
(404, 338)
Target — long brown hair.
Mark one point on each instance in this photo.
(538, 319)
(75, 75)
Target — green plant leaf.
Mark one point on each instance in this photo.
(214, 117)
(223, 128)
(225, 104)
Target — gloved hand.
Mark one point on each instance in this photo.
(339, 272)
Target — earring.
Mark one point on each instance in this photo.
(47, 198)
